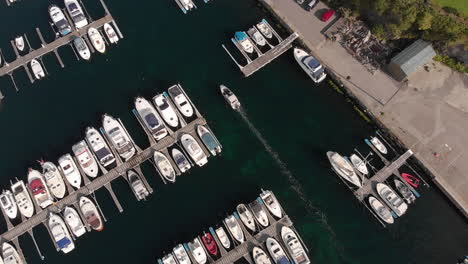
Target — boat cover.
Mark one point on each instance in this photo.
(209, 140)
(311, 62)
(240, 36)
(64, 242)
(151, 120)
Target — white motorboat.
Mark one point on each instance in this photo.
(276, 251)
(246, 216)
(343, 168)
(404, 191)
(392, 199)
(85, 159)
(260, 256)
(7, 201)
(223, 238)
(182, 162)
(19, 43)
(60, 233)
(270, 201)
(164, 166)
(265, 29)
(39, 189)
(110, 33)
(359, 164)
(96, 40)
(167, 112)
(256, 36)
(244, 41)
(310, 65)
(37, 69)
(118, 137)
(76, 13)
(234, 228)
(259, 213)
(169, 259)
(294, 246)
(194, 150)
(59, 20)
(137, 185)
(99, 146)
(181, 254)
(198, 253)
(186, 4)
(150, 118)
(180, 100)
(230, 97)
(70, 170)
(82, 48)
(22, 198)
(73, 220)
(379, 145)
(91, 214)
(10, 255)
(53, 179)
(209, 140)
(381, 210)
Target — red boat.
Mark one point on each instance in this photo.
(210, 244)
(327, 15)
(413, 181)
(37, 187)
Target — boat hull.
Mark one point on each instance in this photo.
(70, 170)
(380, 209)
(194, 150)
(392, 199)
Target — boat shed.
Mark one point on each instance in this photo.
(411, 59)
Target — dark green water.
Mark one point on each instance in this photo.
(299, 120)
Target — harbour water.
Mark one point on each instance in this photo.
(297, 120)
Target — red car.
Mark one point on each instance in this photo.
(329, 14)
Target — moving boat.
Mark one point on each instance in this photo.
(379, 145)
(19, 43)
(150, 118)
(60, 233)
(73, 220)
(259, 213)
(234, 228)
(404, 191)
(294, 246)
(97, 40)
(99, 146)
(194, 150)
(223, 238)
(359, 164)
(310, 65)
(39, 189)
(182, 163)
(265, 29)
(256, 36)
(413, 181)
(230, 97)
(76, 13)
(167, 112)
(118, 137)
(59, 20)
(8, 204)
(260, 256)
(137, 185)
(270, 201)
(246, 216)
(210, 244)
(37, 69)
(391, 199)
(180, 100)
(169, 259)
(181, 255)
(276, 251)
(91, 214)
(53, 179)
(186, 4)
(10, 255)
(85, 159)
(82, 48)
(164, 166)
(381, 210)
(209, 140)
(197, 250)
(244, 41)
(22, 198)
(70, 170)
(110, 33)
(343, 168)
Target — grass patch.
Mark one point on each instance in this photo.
(460, 5)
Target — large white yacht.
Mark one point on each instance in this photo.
(194, 150)
(97, 40)
(60, 233)
(39, 188)
(276, 251)
(270, 201)
(343, 168)
(381, 210)
(70, 170)
(310, 65)
(223, 238)
(59, 19)
(37, 69)
(118, 137)
(209, 140)
(73, 220)
(110, 33)
(392, 199)
(246, 216)
(76, 13)
(99, 146)
(53, 179)
(259, 213)
(181, 254)
(294, 246)
(10, 255)
(150, 118)
(7, 201)
(230, 97)
(22, 198)
(82, 48)
(180, 100)
(167, 112)
(179, 158)
(137, 185)
(164, 166)
(91, 214)
(244, 41)
(260, 256)
(234, 228)
(85, 159)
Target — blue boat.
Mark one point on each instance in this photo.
(243, 39)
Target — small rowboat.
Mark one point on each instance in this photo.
(413, 181)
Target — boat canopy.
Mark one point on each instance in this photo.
(102, 153)
(64, 242)
(209, 140)
(151, 120)
(311, 62)
(240, 35)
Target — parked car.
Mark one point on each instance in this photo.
(327, 15)
(311, 5)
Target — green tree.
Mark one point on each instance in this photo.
(380, 6)
(424, 20)
(379, 31)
